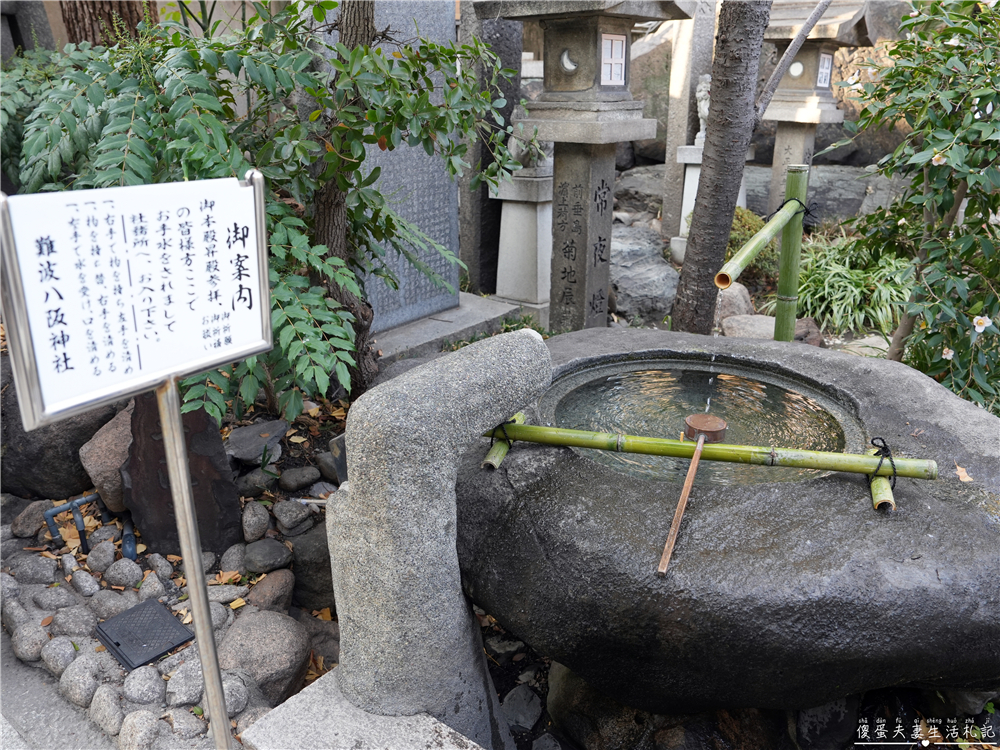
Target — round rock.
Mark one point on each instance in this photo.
(139, 731)
(187, 683)
(256, 521)
(247, 443)
(28, 641)
(69, 564)
(145, 685)
(327, 466)
(290, 513)
(220, 615)
(9, 586)
(266, 555)
(185, 724)
(232, 559)
(101, 556)
(272, 647)
(84, 583)
(274, 593)
(123, 572)
(522, 707)
(295, 479)
(56, 597)
(111, 533)
(35, 569)
(30, 520)
(151, 588)
(14, 615)
(78, 682)
(78, 621)
(236, 694)
(106, 709)
(160, 565)
(106, 604)
(58, 654)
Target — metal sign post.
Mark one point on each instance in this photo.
(110, 293)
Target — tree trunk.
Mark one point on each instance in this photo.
(729, 128)
(356, 27)
(94, 20)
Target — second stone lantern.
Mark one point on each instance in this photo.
(585, 109)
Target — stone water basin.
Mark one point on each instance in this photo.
(780, 594)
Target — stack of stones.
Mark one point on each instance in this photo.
(51, 608)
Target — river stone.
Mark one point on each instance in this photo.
(30, 568)
(226, 593)
(324, 635)
(235, 693)
(101, 557)
(68, 564)
(322, 490)
(522, 708)
(78, 682)
(58, 654)
(233, 559)
(160, 565)
(84, 583)
(734, 300)
(9, 587)
(258, 481)
(290, 513)
(146, 490)
(327, 466)
(106, 709)
(110, 532)
(297, 478)
(30, 520)
(184, 723)
(77, 621)
(103, 455)
(44, 462)
(151, 588)
(256, 519)
(313, 573)
(559, 548)
(144, 685)
(266, 555)
(139, 731)
(645, 283)
(14, 615)
(56, 597)
(107, 603)
(762, 327)
(123, 572)
(186, 684)
(274, 593)
(28, 640)
(272, 647)
(11, 506)
(247, 443)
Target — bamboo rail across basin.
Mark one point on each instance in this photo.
(746, 454)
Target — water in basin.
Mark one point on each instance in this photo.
(653, 398)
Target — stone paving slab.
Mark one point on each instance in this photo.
(321, 717)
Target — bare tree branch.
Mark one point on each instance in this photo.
(786, 60)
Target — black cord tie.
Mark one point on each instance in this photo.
(883, 453)
(503, 429)
(809, 211)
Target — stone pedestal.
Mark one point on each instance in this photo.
(794, 143)
(524, 266)
(690, 157)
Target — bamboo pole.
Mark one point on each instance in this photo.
(746, 454)
(498, 452)
(881, 489)
(746, 254)
(796, 187)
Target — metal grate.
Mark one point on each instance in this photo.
(142, 634)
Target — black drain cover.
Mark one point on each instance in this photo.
(142, 634)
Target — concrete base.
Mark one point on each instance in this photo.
(678, 246)
(539, 311)
(321, 717)
(473, 315)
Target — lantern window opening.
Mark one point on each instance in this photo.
(612, 60)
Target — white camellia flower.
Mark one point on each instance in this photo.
(981, 322)
(947, 353)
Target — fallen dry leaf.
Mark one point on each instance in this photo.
(188, 619)
(324, 614)
(963, 475)
(265, 434)
(46, 621)
(100, 648)
(314, 412)
(118, 588)
(237, 603)
(228, 576)
(291, 431)
(174, 558)
(49, 555)
(34, 549)
(140, 548)
(917, 433)
(297, 439)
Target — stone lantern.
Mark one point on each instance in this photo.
(585, 109)
(804, 97)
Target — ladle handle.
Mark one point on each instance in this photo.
(668, 548)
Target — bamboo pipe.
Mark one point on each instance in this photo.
(881, 489)
(746, 254)
(498, 452)
(746, 454)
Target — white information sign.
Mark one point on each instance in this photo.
(109, 293)
(825, 70)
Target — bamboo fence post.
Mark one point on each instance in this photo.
(796, 186)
